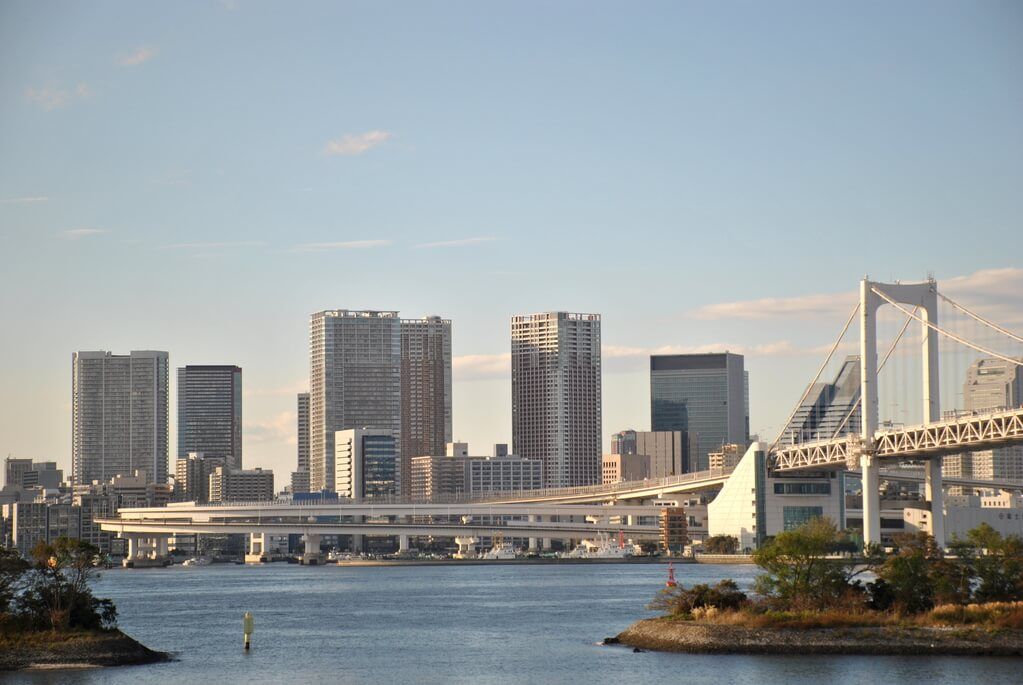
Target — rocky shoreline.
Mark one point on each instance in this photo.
(74, 650)
(706, 638)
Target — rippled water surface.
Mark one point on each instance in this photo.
(460, 624)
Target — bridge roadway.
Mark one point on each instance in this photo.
(965, 433)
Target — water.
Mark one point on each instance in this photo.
(462, 624)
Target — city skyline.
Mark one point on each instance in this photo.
(689, 175)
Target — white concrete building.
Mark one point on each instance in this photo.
(235, 485)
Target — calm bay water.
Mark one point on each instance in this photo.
(492, 624)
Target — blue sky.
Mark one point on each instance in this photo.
(199, 177)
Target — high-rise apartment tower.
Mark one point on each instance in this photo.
(210, 412)
(556, 401)
(119, 415)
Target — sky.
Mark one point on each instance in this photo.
(199, 177)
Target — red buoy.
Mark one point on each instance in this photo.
(671, 575)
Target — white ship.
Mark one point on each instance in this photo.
(499, 551)
(604, 547)
(196, 561)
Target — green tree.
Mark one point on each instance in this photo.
(999, 565)
(918, 576)
(57, 595)
(799, 572)
(721, 544)
(12, 568)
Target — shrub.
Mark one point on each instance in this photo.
(682, 601)
(720, 544)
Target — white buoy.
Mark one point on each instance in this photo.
(248, 623)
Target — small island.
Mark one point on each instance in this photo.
(49, 617)
(812, 599)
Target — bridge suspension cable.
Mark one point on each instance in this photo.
(981, 319)
(806, 392)
(953, 336)
(887, 356)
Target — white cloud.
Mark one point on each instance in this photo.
(474, 366)
(76, 233)
(55, 97)
(289, 390)
(213, 246)
(25, 200)
(139, 56)
(461, 242)
(355, 143)
(800, 307)
(281, 427)
(995, 291)
(344, 245)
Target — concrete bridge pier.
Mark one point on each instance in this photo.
(146, 551)
(871, 499)
(258, 553)
(934, 494)
(312, 555)
(402, 543)
(533, 542)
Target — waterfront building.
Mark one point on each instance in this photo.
(354, 381)
(119, 408)
(725, 458)
(365, 463)
(237, 485)
(456, 472)
(210, 412)
(991, 384)
(95, 505)
(624, 442)
(556, 395)
(192, 476)
(619, 467)
(829, 409)
(674, 530)
(25, 524)
(706, 395)
(754, 505)
(425, 392)
(25, 473)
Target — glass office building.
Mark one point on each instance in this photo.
(210, 412)
(706, 395)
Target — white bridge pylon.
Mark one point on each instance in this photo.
(924, 297)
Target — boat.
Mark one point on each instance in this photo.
(500, 551)
(605, 547)
(196, 561)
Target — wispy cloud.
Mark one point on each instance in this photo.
(280, 427)
(474, 366)
(25, 200)
(344, 245)
(355, 143)
(800, 307)
(461, 242)
(287, 390)
(138, 56)
(54, 97)
(214, 245)
(76, 233)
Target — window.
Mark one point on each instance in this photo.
(794, 517)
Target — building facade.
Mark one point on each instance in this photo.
(210, 412)
(231, 485)
(302, 429)
(991, 384)
(425, 392)
(706, 395)
(120, 407)
(354, 381)
(457, 473)
(192, 476)
(829, 410)
(556, 395)
(365, 463)
(625, 467)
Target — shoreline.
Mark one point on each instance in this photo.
(693, 637)
(44, 651)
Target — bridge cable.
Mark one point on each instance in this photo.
(981, 319)
(953, 336)
(817, 377)
(856, 404)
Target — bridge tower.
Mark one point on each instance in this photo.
(872, 297)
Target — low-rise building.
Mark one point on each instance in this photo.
(726, 458)
(624, 467)
(456, 473)
(238, 485)
(365, 463)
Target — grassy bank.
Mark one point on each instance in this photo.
(29, 649)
